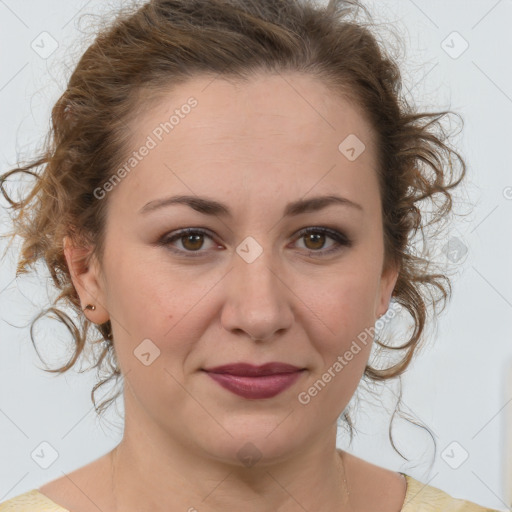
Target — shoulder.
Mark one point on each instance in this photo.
(377, 488)
(30, 501)
(422, 498)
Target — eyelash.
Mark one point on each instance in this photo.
(340, 239)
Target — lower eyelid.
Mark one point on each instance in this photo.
(169, 240)
(340, 240)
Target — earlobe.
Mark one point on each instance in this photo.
(84, 272)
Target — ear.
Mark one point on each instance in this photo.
(388, 281)
(87, 280)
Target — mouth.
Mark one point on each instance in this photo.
(255, 382)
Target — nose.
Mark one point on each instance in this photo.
(258, 302)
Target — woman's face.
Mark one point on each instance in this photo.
(248, 286)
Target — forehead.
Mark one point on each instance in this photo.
(271, 134)
(261, 106)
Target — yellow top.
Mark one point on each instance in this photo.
(426, 498)
(419, 498)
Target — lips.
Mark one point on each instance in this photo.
(249, 370)
(255, 382)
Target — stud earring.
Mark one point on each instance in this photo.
(92, 307)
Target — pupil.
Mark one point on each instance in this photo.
(197, 238)
(196, 241)
(316, 238)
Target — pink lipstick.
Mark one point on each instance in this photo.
(255, 382)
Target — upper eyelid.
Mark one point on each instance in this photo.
(332, 233)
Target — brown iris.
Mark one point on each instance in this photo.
(192, 242)
(316, 238)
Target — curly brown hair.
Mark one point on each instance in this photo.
(149, 49)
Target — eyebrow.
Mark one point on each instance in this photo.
(211, 207)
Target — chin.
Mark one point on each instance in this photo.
(262, 444)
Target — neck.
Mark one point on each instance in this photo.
(150, 471)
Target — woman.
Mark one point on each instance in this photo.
(230, 197)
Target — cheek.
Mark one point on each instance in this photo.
(171, 305)
(341, 308)
(342, 335)
(145, 301)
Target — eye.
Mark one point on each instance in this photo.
(315, 237)
(192, 241)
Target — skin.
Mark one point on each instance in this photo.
(254, 152)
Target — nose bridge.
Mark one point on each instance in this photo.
(257, 303)
(258, 281)
(258, 278)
